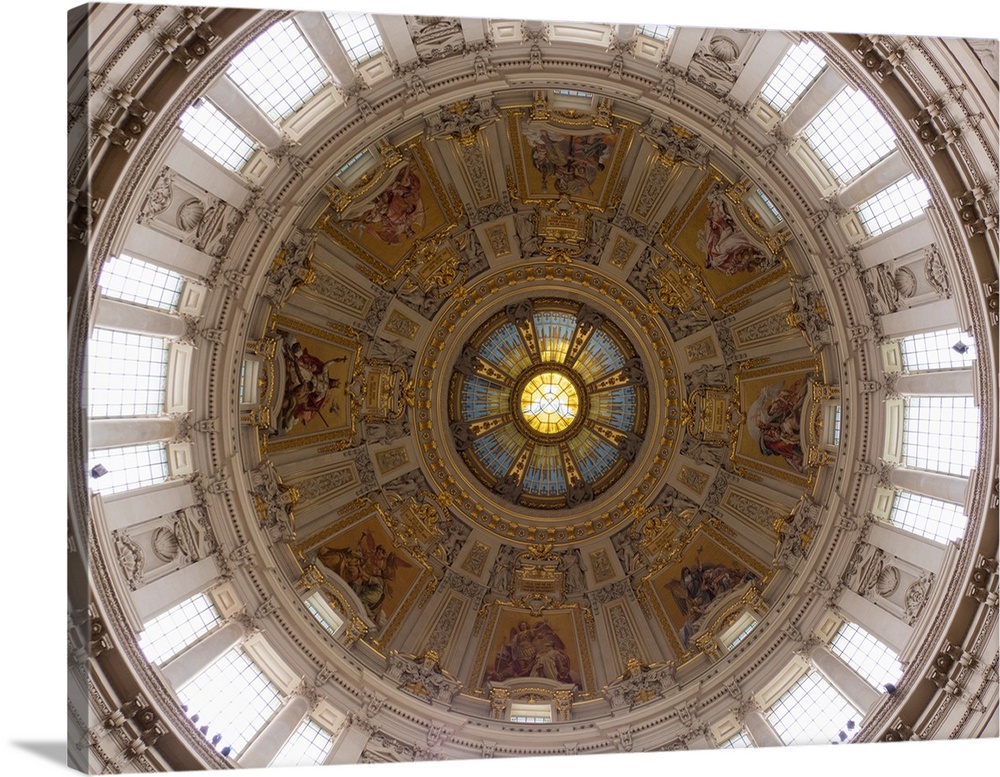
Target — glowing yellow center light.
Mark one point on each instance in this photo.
(550, 402)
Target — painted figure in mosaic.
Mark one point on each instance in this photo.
(532, 650)
(572, 161)
(697, 587)
(368, 568)
(774, 421)
(308, 385)
(727, 249)
(397, 213)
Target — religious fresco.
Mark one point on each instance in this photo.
(730, 253)
(567, 164)
(386, 216)
(696, 586)
(312, 388)
(555, 159)
(314, 369)
(774, 436)
(365, 556)
(523, 645)
(395, 214)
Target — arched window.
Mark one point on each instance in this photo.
(278, 70)
(324, 613)
(169, 633)
(813, 712)
(796, 71)
(523, 712)
(217, 135)
(867, 655)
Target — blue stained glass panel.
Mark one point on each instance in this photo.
(482, 398)
(555, 332)
(593, 454)
(498, 449)
(615, 407)
(504, 349)
(600, 356)
(544, 475)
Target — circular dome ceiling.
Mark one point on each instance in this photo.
(521, 338)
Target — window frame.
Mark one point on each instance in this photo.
(275, 81)
(789, 72)
(243, 149)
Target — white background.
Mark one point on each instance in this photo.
(34, 206)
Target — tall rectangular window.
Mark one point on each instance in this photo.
(278, 70)
(132, 280)
(169, 633)
(217, 135)
(126, 374)
(937, 351)
(931, 518)
(941, 434)
(133, 466)
(894, 205)
(358, 34)
(793, 76)
(309, 745)
(867, 655)
(850, 135)
(233, 698)
(813, 712)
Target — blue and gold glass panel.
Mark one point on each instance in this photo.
(482, 398)
(616, 407)
(554, 329)
(594, 455)
(600, 356)
(504, 349)
(544, 474)
(549, 420)
(550, 402)
(498, 449)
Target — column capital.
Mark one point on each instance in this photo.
(746, 707)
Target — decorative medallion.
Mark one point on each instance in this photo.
(548, 403)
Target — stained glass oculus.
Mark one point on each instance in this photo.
(548, 403)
